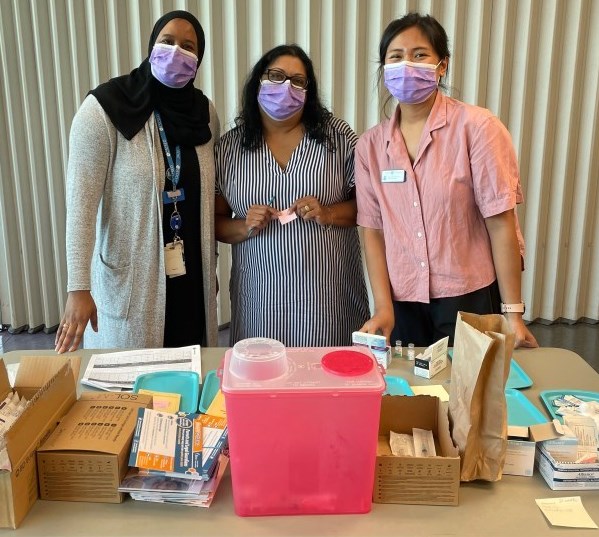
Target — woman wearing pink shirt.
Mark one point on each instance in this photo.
(437, 185)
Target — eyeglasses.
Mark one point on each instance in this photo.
(279, 77)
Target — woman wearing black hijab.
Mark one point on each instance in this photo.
(140, 203)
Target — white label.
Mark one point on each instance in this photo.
(174, 259)
(393, 176)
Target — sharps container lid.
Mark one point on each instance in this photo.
(302, 370)
(257, 359)
(347, 363)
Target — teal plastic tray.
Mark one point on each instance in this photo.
(520, 411)
(517, 378)
(548, 397)
(186, 383)
(397, 386)
(209, 390)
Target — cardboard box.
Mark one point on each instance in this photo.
(377, 345)
(432, 360)
(85, 458)
(49, 383)
(563, 448)
(519, 457)
(416, 480)
(566, 475)
(522, 442)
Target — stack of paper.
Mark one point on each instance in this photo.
(117, 371)
(147, 487)
(176, 457)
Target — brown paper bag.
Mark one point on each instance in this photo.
(482, 351)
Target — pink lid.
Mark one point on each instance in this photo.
(347, 363)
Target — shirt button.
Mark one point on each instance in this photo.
(419, 235)
(422, 264)
(415, 204)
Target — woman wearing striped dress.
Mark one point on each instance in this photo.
(285, 201)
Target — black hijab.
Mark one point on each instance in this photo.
(129, 100)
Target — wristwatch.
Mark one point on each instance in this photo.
(513, 308)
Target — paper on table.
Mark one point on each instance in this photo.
(567, 511)
(117, 371)
(436, 390)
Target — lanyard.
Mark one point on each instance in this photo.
(174, 169)
(174, 174)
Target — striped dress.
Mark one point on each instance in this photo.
(300, 283)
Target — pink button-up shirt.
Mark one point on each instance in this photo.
(465, 170)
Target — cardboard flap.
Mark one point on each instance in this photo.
(4, 382)
(545, 431)
(384, 448)
(401, 413)
(35, 371)
(518, 431)
(100, 422)
(57, 393)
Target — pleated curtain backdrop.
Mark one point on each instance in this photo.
(534, 63)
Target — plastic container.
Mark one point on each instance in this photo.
(209, 390)
(186, 383)
(303, 442)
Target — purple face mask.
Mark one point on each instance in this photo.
(280, 101)
(411, 83)
(172, 65)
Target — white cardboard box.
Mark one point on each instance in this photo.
(377, 345)
(566, 475)
(432, 360)
(519, 457)
(563, 448)
(522, 442)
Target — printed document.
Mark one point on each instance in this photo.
(117, 371)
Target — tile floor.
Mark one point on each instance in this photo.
(582, 338)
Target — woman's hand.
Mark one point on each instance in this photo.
(309, 208)
(381, 322)
(258, 217)
(80, 310)
(524, 337)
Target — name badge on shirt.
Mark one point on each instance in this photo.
(393, 176)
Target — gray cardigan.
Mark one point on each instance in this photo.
(114, 228)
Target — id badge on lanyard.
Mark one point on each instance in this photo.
(174, 259)
(174, 252)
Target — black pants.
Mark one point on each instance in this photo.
(423, 324)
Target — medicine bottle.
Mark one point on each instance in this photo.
(411, 351)
(398, 349)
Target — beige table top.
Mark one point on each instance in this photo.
(505, 508)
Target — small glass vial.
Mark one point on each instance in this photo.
(411, 351)
(398, 349)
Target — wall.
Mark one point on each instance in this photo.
(534, 63)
